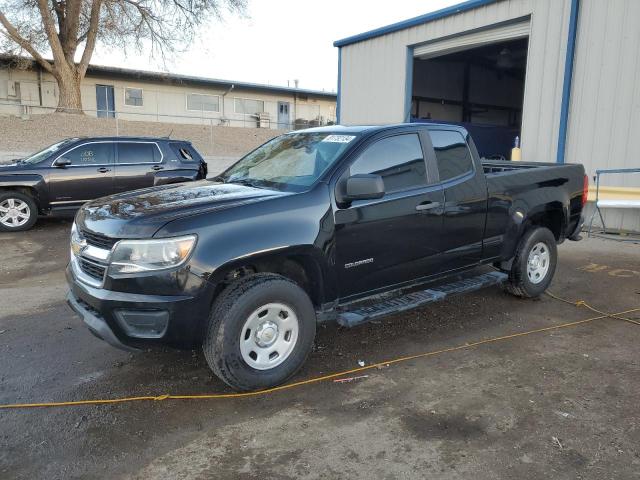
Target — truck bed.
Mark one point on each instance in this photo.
(492, 167)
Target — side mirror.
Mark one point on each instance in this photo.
(62, 162)
(364, 187)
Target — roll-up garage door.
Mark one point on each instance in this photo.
(478, 38)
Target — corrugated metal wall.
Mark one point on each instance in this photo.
(604, 116)
(373, 75)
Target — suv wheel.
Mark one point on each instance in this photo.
(534, 264)
(260, 332)
(17, 212)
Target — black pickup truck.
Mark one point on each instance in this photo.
(60, 178)
(335, 223)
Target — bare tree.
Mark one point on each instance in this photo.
(69, 29)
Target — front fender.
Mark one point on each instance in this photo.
(296, 226)
(28, 180)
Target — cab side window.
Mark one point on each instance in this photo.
(452, 153)
(90, 154)
(398, 160)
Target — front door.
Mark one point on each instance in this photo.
(396, 238)
(105, 104)
(283, 115)
(137, 165)
(89, 176)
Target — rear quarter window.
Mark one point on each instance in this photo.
(185, 152)
(452, 153)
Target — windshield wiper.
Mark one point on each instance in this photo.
(249, 182)
(219, 178)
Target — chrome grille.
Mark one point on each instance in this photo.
(92, 269)
(97, 240)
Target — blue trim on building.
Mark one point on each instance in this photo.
(339, 83)
(408, 85)
(568, 77)
(412, 22)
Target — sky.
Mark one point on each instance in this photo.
(279, 41)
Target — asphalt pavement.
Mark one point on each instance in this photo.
(556, 404)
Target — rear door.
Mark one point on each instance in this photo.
(89, 176)
(465, 194)
(396, 238)
(136, 165)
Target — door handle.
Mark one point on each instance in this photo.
(104, 169)
(157, 167)
(427, 206)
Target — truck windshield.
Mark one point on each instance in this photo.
(291, 162)
(42, 154)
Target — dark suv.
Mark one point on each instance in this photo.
(60, 178)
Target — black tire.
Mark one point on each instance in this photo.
(519, 283)
(233, 308)
(32, 210)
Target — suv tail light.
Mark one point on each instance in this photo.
(585, 190)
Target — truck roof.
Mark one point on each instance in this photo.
(355, 129)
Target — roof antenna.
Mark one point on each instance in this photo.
(170, 133)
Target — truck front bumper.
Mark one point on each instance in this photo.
(131, 321)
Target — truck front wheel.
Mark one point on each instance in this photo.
(260, 332)
(534, 263)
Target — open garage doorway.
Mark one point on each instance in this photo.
(479, 87)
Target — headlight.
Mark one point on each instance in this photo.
(77, 243)
(133, 256)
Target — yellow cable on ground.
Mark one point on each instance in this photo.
(323, 378)
(582, 303)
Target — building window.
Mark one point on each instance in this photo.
(248, 106)
(133, 97)
(203, 103)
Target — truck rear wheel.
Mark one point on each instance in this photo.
(260, 332)
(17, 211)
(534, 264)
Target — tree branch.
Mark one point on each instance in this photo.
(50, 30)
(92, 35)
(14, 35)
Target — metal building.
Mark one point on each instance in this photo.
(563, 75)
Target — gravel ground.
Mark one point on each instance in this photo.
(559, 404)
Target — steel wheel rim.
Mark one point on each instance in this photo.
(538, 263)
(269, 336)
(14, 212)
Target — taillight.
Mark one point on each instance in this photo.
(585, 190)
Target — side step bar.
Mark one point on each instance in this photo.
(351, 318)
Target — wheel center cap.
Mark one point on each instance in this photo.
(266, 334)
(535, 261)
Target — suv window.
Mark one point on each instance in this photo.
(90, 154)
(184, 152)
(138, 152)
(452, 153)
(398, 160)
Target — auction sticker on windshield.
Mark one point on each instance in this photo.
(339, 138)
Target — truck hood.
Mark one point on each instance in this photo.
(140, 213)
